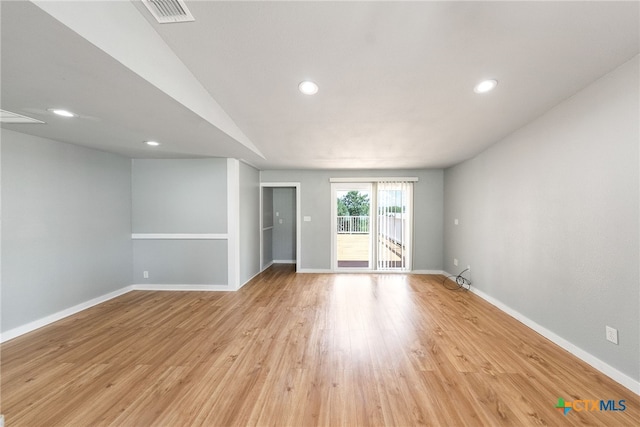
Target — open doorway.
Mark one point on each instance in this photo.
(279, 224)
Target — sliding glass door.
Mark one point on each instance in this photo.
(372, 225)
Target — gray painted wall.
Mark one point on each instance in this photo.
(315, 190)
(284, 234)
(66, 226)
(249, 222)
(181, 262)
(267, 207)
(180, 196)
(549, 219)
(267, 221)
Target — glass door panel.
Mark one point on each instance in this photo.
(352, 226)
(393, 225)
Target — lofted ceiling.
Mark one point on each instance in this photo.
(395, 78)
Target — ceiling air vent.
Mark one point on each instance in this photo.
(168, 11)
(9, 117)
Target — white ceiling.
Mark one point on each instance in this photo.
(396, 78)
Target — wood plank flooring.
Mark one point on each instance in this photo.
(300, 350)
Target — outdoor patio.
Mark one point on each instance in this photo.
(353, 251)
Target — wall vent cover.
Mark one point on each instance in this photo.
(9, 117)
(169, 11)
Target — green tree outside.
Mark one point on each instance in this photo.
(353, 203)
(342, 208)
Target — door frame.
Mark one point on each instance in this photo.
(295, 185)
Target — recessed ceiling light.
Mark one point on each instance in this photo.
(152, 143)
(485, 86)
(308, 87)
(60, 112)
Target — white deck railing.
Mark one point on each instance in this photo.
(389, 227)
(353, 224)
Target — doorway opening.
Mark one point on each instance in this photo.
(279, 224)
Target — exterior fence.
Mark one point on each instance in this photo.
(389, 226)
(353, 224)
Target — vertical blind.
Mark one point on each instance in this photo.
(393, 224)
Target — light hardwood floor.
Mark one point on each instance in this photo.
(299, 350)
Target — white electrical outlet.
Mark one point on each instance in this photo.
(145, 274)
(612, 334)
(455, 221)
(455, 261)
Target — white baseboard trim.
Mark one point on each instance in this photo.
(267, 266)
(284, 261)
(427, 272)
(174, 287)
(37, 324)
(598, 364)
